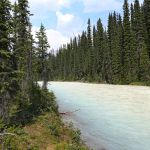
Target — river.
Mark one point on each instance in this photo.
(113, 117)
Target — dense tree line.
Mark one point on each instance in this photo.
(119, 54)
(22, 62)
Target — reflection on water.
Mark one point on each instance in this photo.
(113, 117)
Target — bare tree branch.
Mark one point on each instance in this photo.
(69, 113)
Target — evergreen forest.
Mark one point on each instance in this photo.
(116, 54)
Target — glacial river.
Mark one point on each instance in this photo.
(113, 117)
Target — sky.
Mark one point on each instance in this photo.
(66, 18)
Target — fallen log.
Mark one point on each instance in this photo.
(69, 113)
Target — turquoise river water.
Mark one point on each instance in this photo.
(113, 117)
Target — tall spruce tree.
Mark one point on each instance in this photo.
(7, 73)
(146, 9)
(95, 50)
(110, 36)
(134, 70)
(23, 48)
(115, 49)
(90, 56)
(107, 60)
(42, 55)
(141, 51)
(99, 49)
(84, 54)
(127, 67)
(120, 35)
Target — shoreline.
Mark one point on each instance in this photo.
(43, 131)
(99, 83)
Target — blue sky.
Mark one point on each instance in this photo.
(65, 18)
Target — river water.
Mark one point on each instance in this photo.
(113, 117)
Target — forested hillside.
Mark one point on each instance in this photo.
(118, 54)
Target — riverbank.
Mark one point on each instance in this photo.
(40, 131)
(104, 83)
(46, 132)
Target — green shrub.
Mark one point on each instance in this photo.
(139, 83)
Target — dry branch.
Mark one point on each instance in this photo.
(69, 113)
(5, 133)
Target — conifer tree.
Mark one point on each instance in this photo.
(99, 49)
(23, 48)
(90, 56)
(110, 41)
(142, 54)
(95, 50)
(146, 9)
(115, 50)
(120, 35)
(127, 44)
(42, 54)
(7, 73)
(107, 60)
(134, 62)
(84, 50)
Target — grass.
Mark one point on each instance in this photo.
(139, 84)
(46, 132)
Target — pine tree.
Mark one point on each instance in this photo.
(14, 32)
(23, 49)
(120, 35)
(81, 56)
(90, 56)
(146, 9)
(134, 62)
(84, 54)
(95, 50)
(115, 49)
(75, 57)
(30, 53)
(107, 60)
(127, 44)
(7, 73)
(142, 54)
(99, 49)
(110, 41)
(42, 54)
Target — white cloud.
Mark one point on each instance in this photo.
(92, 6)
(101, 5)
(64, 3)
(51, 5)
(64, 19)
(68, 24)
(56, 38)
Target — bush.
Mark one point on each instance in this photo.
(42, 100)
